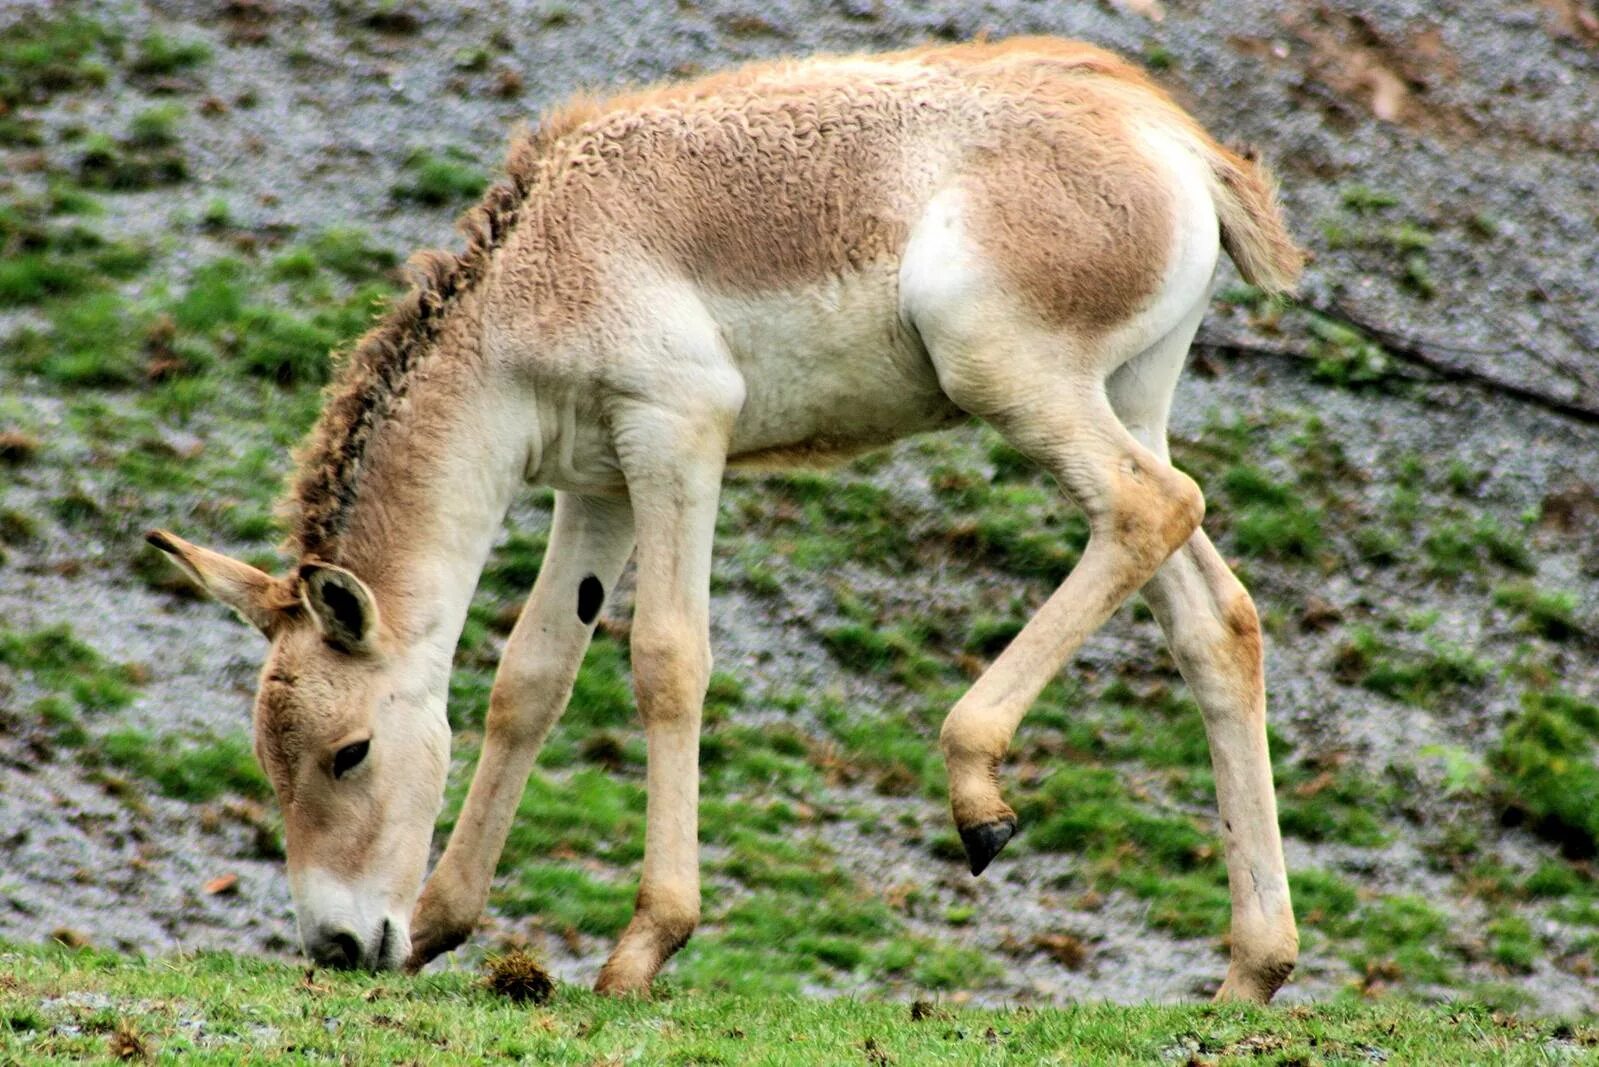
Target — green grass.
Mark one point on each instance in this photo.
(1344, 356)
(1362, 199)
(1376, 662)
(48, 257)
(159, 54)
(1548, 771)
(227, 346)
(1406, 937)
(195, 772)
(1459, 547)
(1550, 615)
(91, 341)
(1171, 860)
(74, 677)
(40, 57)
(156, 127)
(440, 179)
(148, 156)
(1341, 806)
(58, 1005)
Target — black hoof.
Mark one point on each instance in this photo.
(983, 842)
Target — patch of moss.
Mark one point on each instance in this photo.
(91, 342)
(565, 897)
(440, 179)
(1512, 943)
(1546, 767)
(1344, 356)
(1405, 937)
(40, 57)
(1165, 858)
(156, 127)
(1419, 678)
(895, 651)
(1455, 548)
(197, 772)
(792, 866)
(160, 54)
(74, 675)
(46, 259)
(1363, 199)
(130, 163)
(1286, 532)
(1549, 615)
(1341, 806)
(1324, 901)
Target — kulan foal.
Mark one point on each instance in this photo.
(789, 262)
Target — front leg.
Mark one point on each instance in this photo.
(674, 469)
(590, 540)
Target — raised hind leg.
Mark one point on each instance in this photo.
(1139, 508)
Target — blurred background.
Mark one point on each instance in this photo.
(199, 201)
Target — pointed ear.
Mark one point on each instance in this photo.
(256, 596)
(343, 607)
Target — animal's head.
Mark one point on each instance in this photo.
(351, 731)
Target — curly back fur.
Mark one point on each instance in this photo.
(779, 174)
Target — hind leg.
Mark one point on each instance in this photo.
(1048, 398)
(1214, 634)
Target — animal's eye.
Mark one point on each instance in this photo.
(349, 757)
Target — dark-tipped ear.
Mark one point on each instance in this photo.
(257, 597)
(341, 604)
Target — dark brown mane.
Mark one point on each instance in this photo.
(381, 367)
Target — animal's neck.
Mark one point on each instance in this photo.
(434, 489)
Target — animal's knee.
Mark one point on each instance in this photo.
(1153, 509)
(1241, 627)
(1219, 645)
(671, 668)
(522, 701)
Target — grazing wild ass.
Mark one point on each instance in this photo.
(787, 263)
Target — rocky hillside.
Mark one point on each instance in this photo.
(199, 201)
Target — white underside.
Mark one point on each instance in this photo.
(844, 364)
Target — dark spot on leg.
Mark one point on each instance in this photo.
(590, 595)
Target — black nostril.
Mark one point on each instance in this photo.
(346, 951)
(339, 949)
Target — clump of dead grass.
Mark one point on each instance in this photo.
(520, 977)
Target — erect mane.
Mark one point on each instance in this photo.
(380, 368)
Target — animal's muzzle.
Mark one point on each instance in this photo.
(344, 949)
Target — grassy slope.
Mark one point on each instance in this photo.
(1110, 771)
(63, 1005)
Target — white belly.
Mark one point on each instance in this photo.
(829, 371)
